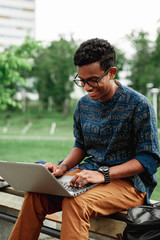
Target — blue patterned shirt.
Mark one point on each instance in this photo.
(118, 130)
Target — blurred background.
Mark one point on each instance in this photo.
(37, 42)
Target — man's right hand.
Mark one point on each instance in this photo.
(56, 170)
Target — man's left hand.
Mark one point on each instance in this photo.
(86, 176)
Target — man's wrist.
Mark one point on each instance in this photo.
(63, 164)
(105, 171)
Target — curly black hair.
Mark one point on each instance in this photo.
(94, 50)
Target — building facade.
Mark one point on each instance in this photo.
(17, 20)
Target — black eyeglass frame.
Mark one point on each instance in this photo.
(87, 81)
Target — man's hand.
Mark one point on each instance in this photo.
(56, 170)
(86, 176)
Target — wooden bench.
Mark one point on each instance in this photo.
(100, 227)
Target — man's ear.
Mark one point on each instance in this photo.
(113, 72)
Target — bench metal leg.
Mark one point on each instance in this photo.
(46, 230)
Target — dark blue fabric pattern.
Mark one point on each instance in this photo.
(118, 130)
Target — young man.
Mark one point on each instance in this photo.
(115, 131)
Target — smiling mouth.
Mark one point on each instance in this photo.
(91, 92)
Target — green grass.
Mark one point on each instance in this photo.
(41, 124)
(33, 150)
(156, 193)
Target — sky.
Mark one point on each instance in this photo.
(84, 19)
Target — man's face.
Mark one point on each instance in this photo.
(106, 86)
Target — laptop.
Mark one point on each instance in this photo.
(31, 177)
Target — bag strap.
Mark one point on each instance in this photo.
(119, 236)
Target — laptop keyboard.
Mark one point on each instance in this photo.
(72, 188)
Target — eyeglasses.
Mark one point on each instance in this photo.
(92, 83)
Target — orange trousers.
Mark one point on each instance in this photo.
(102, 200)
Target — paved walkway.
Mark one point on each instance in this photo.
(37, 138)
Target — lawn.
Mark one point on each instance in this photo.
(156, 192)
(34, 150)
(14, 124)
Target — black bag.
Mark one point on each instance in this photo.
(143, 223)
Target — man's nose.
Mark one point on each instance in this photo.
(87, 88)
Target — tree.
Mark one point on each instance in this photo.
(155, 60)
(120, 61)
(54, 69)
(15, 67)
(28, 51)
(10, 76)
(140, 63)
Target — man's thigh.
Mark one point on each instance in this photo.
(106, 199)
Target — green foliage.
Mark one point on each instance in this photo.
(9, 76)
(28, 51)
(14, 63)
(50, 67)
(144, 64)
(140, 61)
(120, 61)
(154, 67)
(53, 70)
(29, 48)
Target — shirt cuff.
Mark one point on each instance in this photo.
(79, 145)
(148, 162)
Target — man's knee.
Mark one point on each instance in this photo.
(43, 203)
(69, 203)
(77, 207)
(37, 203)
